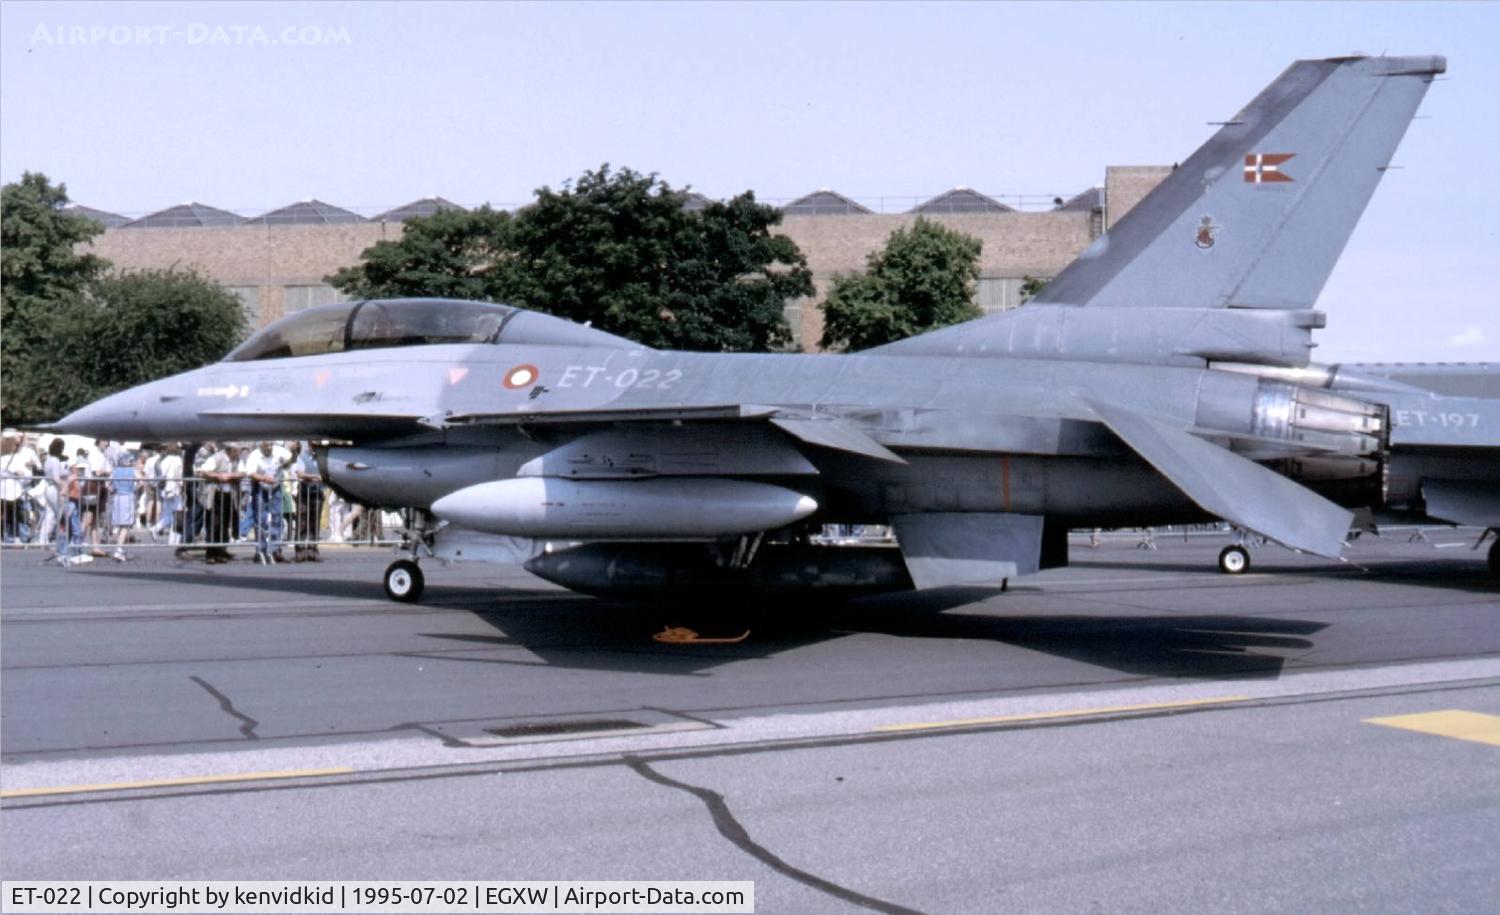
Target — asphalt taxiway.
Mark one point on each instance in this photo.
(1134, 733)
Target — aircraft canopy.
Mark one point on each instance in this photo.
(389, 323)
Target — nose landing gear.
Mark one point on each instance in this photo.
(403, 578)
(403, 581)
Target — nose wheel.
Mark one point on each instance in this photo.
(403, 581)
(1234, 560)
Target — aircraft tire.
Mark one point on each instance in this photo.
(1234, 560)
(1495, 556)
(403, 581)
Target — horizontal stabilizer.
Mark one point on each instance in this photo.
(968, 548)
(1238, 490)
(837, 434)
(1463, 502)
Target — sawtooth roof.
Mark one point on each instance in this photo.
(309, 212)
(424, 207)
(824, 203)
(1089, 200)
(184, 216)
(962, 200)
(107, 219)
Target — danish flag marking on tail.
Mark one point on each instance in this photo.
(1265, 168)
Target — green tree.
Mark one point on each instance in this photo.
(1030, 286)
(621, 251)
(452, 253)
(923, 279)
(730, 292)
(41, 272)
(615, 249)
(130, 328)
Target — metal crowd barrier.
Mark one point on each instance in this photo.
(192, 515)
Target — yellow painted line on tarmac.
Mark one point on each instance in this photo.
(1455, 723)
(1065, 713)
(174, 782)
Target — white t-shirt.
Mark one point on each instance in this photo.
(16, 468)
(256, 463)
(218, 462)
(169, 470)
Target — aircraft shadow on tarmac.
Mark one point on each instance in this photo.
(606, 635)
(565, 630)
(1467, 572)
(447, 597)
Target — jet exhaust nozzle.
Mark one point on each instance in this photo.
(652, 509)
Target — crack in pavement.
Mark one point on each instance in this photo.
(249, 724)
(731, 829)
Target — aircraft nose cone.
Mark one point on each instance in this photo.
(118, 416)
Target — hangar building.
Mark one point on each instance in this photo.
(276, 262)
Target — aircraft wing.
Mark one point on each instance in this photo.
(817, 430)
(324, 424)
(1231, 487)
(830, 432)
(605, 415)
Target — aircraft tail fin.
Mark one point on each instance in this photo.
(1257, 217)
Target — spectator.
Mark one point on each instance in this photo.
(262, 468)
(309, 504)
(18, 467)
(289, 497)
(54, 500)
(169, 475)
(197, 495)
(349, 526)
(338, 510)
(70, 530)
(148, 484)
(122, 485)
(95, 516)
(221, 476)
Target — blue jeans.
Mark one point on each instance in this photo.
(70, 530)
(265, 515)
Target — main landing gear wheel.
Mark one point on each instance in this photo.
(1234, 560)
(403, 581)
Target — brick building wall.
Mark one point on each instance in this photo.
(1014, 246)
(275, 269)
(1125, 185)
(256, 261)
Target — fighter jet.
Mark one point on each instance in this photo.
(1163, 377)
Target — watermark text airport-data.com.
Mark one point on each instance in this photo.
(191, 33)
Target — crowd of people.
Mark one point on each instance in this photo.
(205, 496)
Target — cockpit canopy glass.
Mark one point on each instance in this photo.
(375, 325)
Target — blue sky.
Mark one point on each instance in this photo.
(140, 106)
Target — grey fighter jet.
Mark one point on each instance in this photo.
(1164, 377)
